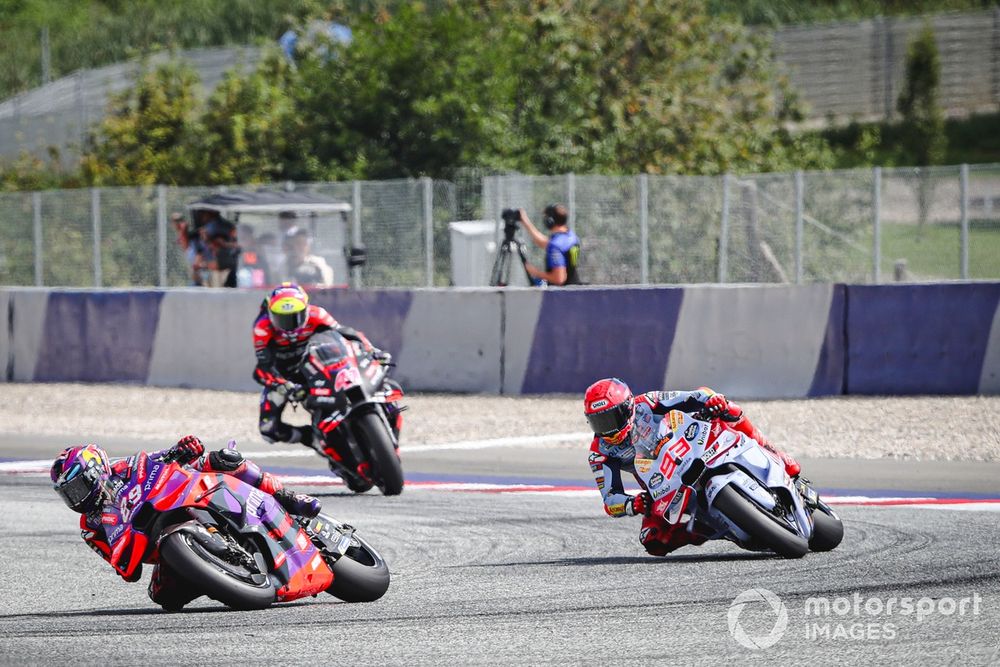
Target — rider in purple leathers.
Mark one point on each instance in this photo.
(89, 483)
(621, 423)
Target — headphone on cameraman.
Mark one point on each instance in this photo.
(550, 216)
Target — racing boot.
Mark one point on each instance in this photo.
(168, 590)
(298, 504)
(746, 427)
(660, 538)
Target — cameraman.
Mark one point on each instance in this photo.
(562, 247)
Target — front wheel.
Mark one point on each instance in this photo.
(375, 439)
(759, 524)
(360, 575)
(203, 560)
(828, 531)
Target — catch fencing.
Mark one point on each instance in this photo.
(55, 119)
(856, 69)
(856, 226)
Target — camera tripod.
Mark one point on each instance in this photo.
(500, 277)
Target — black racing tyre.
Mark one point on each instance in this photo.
(360, 575)
(357, 485)
(759, 524)
(828, 531)
(386, 468)
(230, 584)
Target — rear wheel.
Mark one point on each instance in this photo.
(761, 525)
(201, 559)
(828, 531)
(360, 575)
(374, 438)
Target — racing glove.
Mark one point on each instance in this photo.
(187, 449)
(716, 405)
(292, 390)
(639, 504)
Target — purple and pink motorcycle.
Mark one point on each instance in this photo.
(234, 543)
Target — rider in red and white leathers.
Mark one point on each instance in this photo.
(621, 423)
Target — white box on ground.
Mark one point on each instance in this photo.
(473, 249)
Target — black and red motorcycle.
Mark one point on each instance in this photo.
(355, 412)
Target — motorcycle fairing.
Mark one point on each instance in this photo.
(737, 459)
(298, 566)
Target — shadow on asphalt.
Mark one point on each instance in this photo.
(635, 560)
(343, 494)
(151, 611)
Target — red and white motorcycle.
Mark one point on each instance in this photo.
(704, 472)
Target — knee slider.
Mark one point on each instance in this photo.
(225, 460)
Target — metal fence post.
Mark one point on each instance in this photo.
(429, 227)
(356, 228)
(964, 194)
(877, 223)
(799, 197)
(36, 206)
(81, 108)
(46, 56)
(161, 233)
(95, 218)
(571, 197)
(644, 228)
(724, 231)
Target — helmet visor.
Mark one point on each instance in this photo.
(288, 321)
(78, 486)
(610, 422)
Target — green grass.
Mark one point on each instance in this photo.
(935, 250)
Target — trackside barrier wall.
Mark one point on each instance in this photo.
(927, 339)
(748, 341)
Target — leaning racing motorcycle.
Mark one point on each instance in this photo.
(709, 476)
(234, 543)
(355, 411)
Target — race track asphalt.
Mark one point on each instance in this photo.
(523, 578)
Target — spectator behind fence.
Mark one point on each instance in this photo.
(218, 252)
(301, 266)
(288, 222)
(254, 269)
(270, 252)
(190, 243)
(203, 265)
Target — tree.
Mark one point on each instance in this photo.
(419, 91)
(248, 127)
(650, 85)
(149, 135)
(923, 137)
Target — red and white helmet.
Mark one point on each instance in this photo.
(610, 409)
